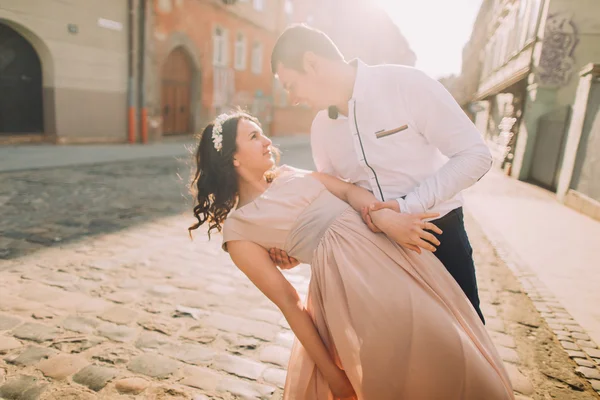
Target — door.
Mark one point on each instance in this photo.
(549, 148)
(21, 108)
(176, 99)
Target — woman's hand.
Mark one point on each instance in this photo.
(341, 387)
(365, 212)
(408, 230)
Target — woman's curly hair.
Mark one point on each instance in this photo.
(214, 184)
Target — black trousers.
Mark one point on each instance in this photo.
(456, 254)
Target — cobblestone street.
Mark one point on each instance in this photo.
(104, 296)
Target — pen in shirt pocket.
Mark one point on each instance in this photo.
(384, 133)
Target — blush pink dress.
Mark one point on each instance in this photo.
(395, 321)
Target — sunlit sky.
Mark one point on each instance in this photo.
(436, 30)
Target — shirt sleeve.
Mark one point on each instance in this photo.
(439, 118)
(319, 151)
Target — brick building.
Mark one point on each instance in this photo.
(210, 56)
(222, 51)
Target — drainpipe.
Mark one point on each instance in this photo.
(141, 75)
(130, 78)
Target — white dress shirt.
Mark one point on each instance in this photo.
(405, 138)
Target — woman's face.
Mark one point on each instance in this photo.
(253, 148)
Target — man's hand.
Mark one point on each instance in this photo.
(282, 260)
(390, 204)
(408, 230)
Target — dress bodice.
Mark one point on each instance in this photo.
(292, 215)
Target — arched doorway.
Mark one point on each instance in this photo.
(176, 88)
(21, 108)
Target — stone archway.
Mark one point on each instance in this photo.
(21, 103)
(44, 57)
(180, 83)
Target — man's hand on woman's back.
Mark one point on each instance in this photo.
(282, 260)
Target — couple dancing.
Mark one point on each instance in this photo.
(392, 310)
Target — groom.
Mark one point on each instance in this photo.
(393, 130)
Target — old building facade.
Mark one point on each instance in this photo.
(529, 67)
(63, 71)
(143, 70)
(464, 86)
(536, 98)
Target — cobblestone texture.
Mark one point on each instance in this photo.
(98, 271)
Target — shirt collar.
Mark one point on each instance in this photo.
(362, 73)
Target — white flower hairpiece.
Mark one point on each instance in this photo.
(217, 131)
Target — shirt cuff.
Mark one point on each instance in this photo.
(410, 205)
(402, 204)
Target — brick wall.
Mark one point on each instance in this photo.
(197, 20)
(292, 121)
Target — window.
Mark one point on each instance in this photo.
(259, 5)
(257, 58)
(534, 12)
(521, 23)
(289, 7)
(484, 58)
(503, 46)
(495, 51)
(220, 47)
(240, 52)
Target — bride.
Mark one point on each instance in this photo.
(380, 322)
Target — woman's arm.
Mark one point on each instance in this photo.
(408, 230)
(357, 197)
(254, 261)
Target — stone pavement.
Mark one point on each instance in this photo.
(554, 251)
(58, 199)
(104, 296)
(147, 313)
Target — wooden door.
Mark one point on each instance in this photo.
(176, 84)
(21, 108)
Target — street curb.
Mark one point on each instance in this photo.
(30, 157)
(571, 336)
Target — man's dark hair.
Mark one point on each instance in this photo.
(298, 39)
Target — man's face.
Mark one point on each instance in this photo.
(304, 87)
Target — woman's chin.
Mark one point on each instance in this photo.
(271, 162)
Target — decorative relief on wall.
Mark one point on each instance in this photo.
(556, 61)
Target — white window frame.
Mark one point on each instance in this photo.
(220, 47)
(240, 54)
(535, 8)
(257, 58)
(259, 5)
